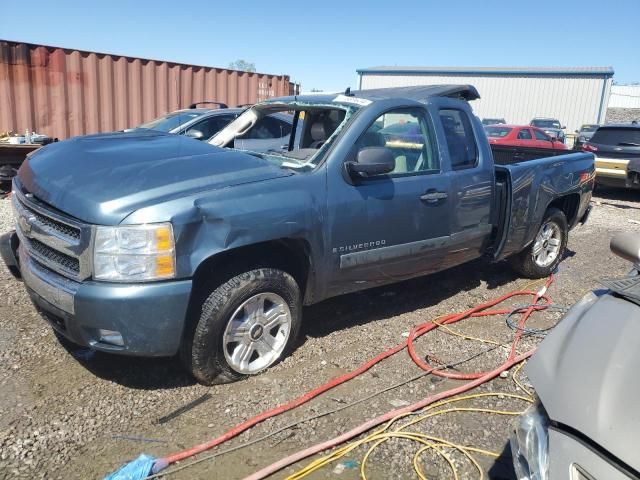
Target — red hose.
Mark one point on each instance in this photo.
(237, 430)
(479, 311)
(368, 425)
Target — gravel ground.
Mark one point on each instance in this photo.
(66, 412)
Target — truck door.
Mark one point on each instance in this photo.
(394, 226)
(472, 179)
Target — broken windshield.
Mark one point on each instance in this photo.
(311, 129)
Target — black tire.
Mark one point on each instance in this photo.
(524, 262)
(202, 350)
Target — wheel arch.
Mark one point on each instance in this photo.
(292, 255)
(569, 205)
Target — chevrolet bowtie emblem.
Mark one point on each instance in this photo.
(25, 224)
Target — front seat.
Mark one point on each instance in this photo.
(318, 134)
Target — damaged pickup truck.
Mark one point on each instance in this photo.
(144, 243)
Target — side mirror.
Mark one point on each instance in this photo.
(576, 131)
(372, 161)
(193, 133)
(554, 136)
(564, 127)
(627, 246)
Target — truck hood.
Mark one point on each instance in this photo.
(586, 373)
(103, 178)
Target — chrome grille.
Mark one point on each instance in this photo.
(54, 240)
(65, 261)
(52, 224)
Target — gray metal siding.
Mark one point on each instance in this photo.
(572, 99)
(624, 96)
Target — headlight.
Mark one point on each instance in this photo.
(530, 444)
(134, 253)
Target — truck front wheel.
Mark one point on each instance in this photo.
(542, 257)
(246, 325)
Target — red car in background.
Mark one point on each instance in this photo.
(521, 136)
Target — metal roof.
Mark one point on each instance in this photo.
(521, 71)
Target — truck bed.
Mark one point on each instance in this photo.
(526, 187)
(507, 155)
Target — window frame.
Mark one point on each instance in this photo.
(528, 130)
(473, 137)
(421, 113)
(546, 138)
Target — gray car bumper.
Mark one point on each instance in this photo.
(150, 317)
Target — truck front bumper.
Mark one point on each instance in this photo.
(145, 319)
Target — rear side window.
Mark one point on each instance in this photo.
(541, 136)
(524, 134)
(629, 137)
(461, 143)
(497, 132)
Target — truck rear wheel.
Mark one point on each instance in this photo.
(544, 254)
(246, 325)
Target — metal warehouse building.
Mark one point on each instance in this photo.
(573, 95)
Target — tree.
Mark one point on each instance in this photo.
(243, 65)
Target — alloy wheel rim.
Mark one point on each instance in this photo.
(546, 246)
(257, 333)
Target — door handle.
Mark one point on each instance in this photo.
(433, 196)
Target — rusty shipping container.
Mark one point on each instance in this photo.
(62, 93)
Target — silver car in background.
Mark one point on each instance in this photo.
(586, 423)
(272, 132)
(584, 134)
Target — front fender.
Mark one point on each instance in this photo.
(292, 207)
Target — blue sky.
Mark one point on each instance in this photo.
(322, 43)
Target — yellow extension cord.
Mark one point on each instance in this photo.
(435, 444)
(429, 442)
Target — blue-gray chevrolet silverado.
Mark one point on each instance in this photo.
(144, 243)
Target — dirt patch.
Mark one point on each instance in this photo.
(66, 412)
